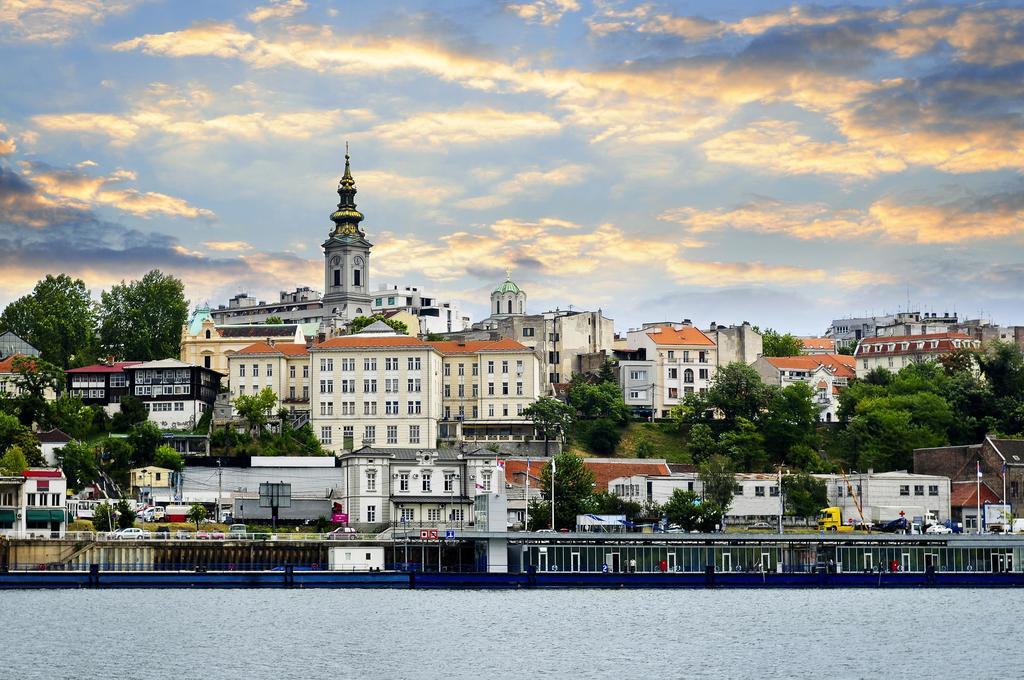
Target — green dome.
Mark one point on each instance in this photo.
(507, 287)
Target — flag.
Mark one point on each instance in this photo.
(552, 467)
(499, 463)
(1004, 470)
(979, 469)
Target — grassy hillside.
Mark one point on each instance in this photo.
(662, 441)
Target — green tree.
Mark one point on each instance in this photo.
(603, 436)
(738, 392)
(256, 408)
(574, 486)
(36, 381)
(167, 457)
(643, 448)
(196, 514)
(78, 461)
(606, 503)
(846, 348)
(550, 417)
(58, 318)
(13, 433)
(274, 319)
(103, 517)
(790, 419)
(776, 344)
(598, 400)
(70, 415)
(125, 514)
(719, 482)
(13, 461)
(118, 457)
(744, 445)
(804, 495)
(142, 320)
(131, 412)
(701, 443)
(144, 439)
(608, 373)
(689, 512)
(360, 322)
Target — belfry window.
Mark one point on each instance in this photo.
(337, 277)
(509, 306)
(357, 277)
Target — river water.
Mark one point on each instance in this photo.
(329, 634)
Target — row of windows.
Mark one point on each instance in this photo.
(758, 490)
(390, 364)
(491, 365)
(673, 374)
(161, 375)
(42, 499)
(461, 392)
(165, 390)
(702, 356)
(461, 411)
(933, 489)
(433, 515)
(391, 385)
(164, 406)
(673, 392)
(369, 434)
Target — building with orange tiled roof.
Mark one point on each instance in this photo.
(897, 351)
(664, 363)
(485, 387)
(818, 346)
(9, 377)
(827, 374)
(281, 366)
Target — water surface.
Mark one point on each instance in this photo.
(329, 634)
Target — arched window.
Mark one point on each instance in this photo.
(520, 306)
(357, 277)
(497, 306)
(688, 375)
(207, 334)
(337, 277)
(510, 306)
(359, 310)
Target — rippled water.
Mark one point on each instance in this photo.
(228, 634)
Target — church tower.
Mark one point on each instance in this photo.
(346, 259)
(508, 299)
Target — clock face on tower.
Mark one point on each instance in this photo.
(335, 261)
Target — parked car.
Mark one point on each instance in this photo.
(341, 533)
(238, 531)
(759, 526)
(181, 534)
(162, 532)
(938, 529)
(134, 533)
(214, 534)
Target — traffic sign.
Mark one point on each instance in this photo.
(449, 533)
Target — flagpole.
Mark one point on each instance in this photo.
(1007, 519)
(526, 524)
(978, 495)
(553, 494)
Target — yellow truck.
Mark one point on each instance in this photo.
(831, 519)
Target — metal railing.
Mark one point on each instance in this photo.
(150, 536)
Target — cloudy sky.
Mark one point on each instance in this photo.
(728, 161)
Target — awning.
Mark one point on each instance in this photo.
(36, 515)
(8, 516)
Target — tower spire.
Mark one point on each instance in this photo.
(346, 218)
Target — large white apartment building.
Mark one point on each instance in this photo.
(375, 388)
(434, 315)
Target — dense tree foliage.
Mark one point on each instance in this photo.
(551, 418)
(574, 490)
(132, 412)
(256, 408)
(691, 513)
(719, 482)
(141, 320)
(58, 318)
(13, 461)
(36, 380)
(79, 463)
(775, 344)
(804, 495)
(360, 322)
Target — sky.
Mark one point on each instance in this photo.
(782, 164)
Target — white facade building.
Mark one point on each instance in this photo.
(881, 495)
(827, 374)
(434, 315)
(678, 360)
(34, 504)
(895, 352)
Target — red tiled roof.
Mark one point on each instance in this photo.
(840, 364)
(964, 494)
(369, 341)
(287, 348)
(43, 473)
(7, 365)
(818, 343)
(687, 335)
(515, 472)
(607, 470)
(456, 347)
(116, 367)
(945, 344)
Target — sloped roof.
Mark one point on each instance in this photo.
(378, 327)
(515, 471)
(687, 335)
(43, 473)
(116, 367)
(818, 343)
(456, 347)
(281, 348)
(945, 343)
(1012, 450)
(54, 436)
(370, 342)
(964, 494)
(163, 363)
(7, 365)
(607, 469)
(840, 364)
